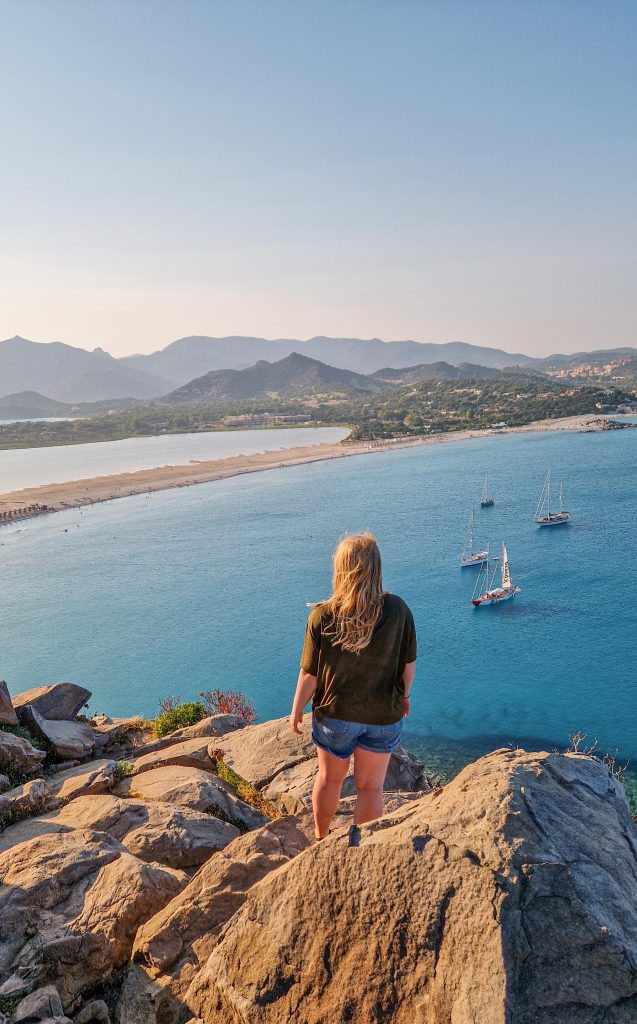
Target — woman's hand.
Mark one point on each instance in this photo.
(295, 720)
(305, 689)
(406, 706)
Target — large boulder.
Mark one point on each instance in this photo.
(40, 1005)
(171, 947)
(194, 788)
(70, 905)
(18, 753)
(7, 711)
(59, 702)
(283, 765)
(508, 896)
(68, 740)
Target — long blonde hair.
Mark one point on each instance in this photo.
(357, 592)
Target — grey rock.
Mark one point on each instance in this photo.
(95, 1012)
(7, 711)
(189, 753)
(57, 702)
(194, 788)
(5, 783)
(67, 739)
(30, 798)
(19, 753)
(92, 777)
(42, 1004)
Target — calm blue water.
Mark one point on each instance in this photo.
(204, 587)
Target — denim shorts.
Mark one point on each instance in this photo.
(341, 738)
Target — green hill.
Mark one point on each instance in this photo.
(295, 376)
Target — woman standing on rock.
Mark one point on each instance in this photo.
(358, 666)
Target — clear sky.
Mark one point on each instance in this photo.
(427, 169)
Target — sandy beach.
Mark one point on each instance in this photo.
(33, 501)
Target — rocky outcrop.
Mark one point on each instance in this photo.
(508, 896)
(7, 711)
(18, 753)
(283, 765)
(160, 833)
(172, 946)
(68, 740)
(58, 702)
(70, 905)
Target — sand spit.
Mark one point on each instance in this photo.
(56, 497)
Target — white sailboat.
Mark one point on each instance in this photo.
(543, 515)
(486, 579)
(487, 499)
(469, 554)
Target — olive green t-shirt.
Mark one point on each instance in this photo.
(366, 687)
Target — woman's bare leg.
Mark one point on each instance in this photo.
(370, 770)
(327, 790)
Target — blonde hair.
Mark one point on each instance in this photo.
(357, 592)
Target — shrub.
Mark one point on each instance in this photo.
(122, 769)
(178, 717)
(228, 702)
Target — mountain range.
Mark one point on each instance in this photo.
(67, 374)
(299, 376)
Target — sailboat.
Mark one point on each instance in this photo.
(486, 499)
(469, 554)
(543, 515)
(491, 594)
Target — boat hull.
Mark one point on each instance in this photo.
(495, 597)
(487, 503)
(478, 558)
(558, 519)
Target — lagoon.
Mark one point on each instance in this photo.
(31, 467)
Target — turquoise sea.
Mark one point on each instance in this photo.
(207, 586)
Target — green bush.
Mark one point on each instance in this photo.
(177, 718)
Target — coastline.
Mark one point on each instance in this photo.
(44, 499)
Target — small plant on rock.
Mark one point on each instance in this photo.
(171, 719)
(122, 769)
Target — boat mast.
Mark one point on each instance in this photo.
(548, 494)
(469, 544)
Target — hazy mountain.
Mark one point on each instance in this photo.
(67, 374)
(188, 358)
(294, 376)
(434, 371)
(31, 405)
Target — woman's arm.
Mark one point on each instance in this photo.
(408, 679)
(305, 688)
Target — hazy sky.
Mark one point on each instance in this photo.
(427, 169)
